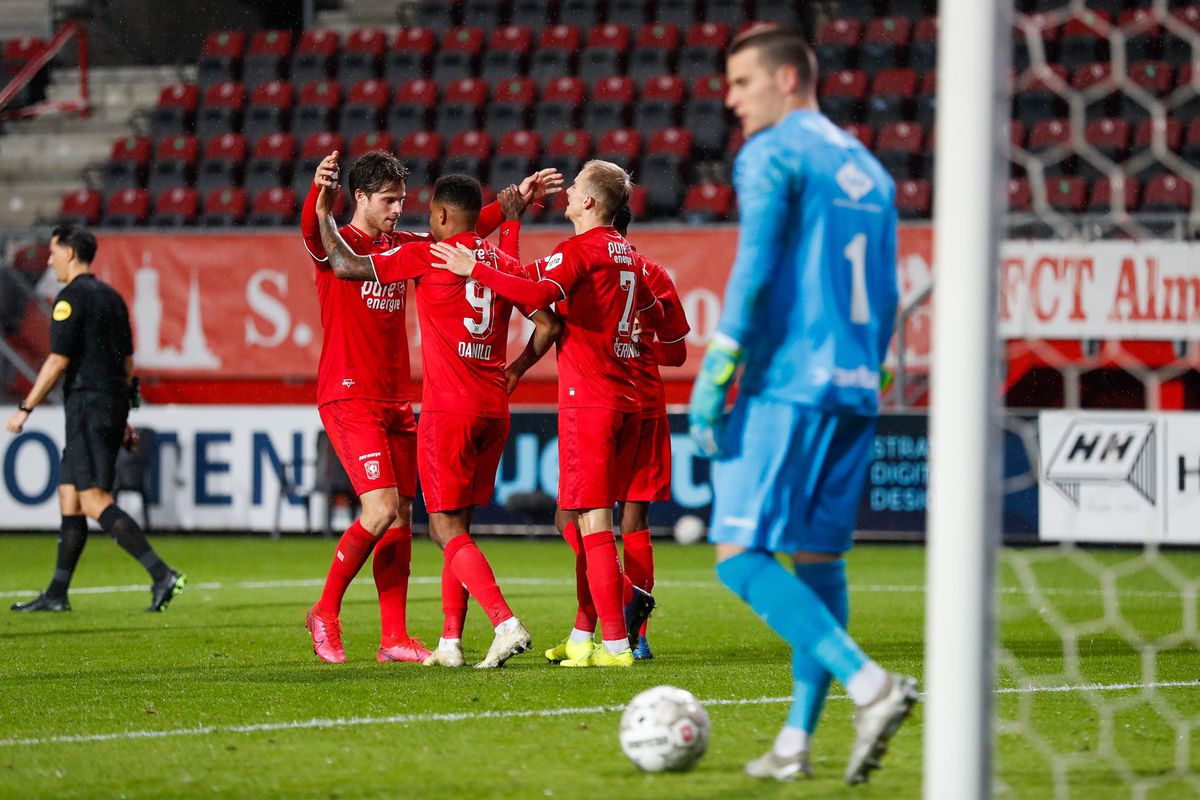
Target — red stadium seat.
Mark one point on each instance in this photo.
(220, 58)
(468, 154)
(621, 146)
(659, 105)
(1111, 138)
(268, 57)
(864, 133)
(843, 95)
(1143, 35)
(1154, 78)
(893, 92)
(706, 117)
(1020, 195)
(609, 106)
(314, 150)
(1084, 39)
(559, 106)
(914, 199)
(507, 53)
(222, 110)
(366, 142)
(1048, 140)
(1089, 75)
(224, 207)
(837, 43)
(885, 43)
(458, 57)
(1104, 191)
(410, 56)
(175, 208)
(516, 156)
(1039, 95)
(899, 147)
(1177, 50)
(708, 202)
(174, 164)
(704, 51)
(317, 109)
(511, 108)
(81, 207)
(1067, 193)
(568, 150)
(555, 54)
(362, 57)
(664, 170)
(1167, 193)
(654, 52)
(421, 152)
(922, 53)
(365, 109)
(315, 56)
(271, 164)
(412, 108)
(223, 163)
(126, 208)
(128, 164)
(16, 54)
(416, 207)
(461, 108)
(1169, 131)
(176, 110)
(605, 54)
(270, 110)
(273, 207)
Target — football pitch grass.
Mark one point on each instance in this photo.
(222, 696)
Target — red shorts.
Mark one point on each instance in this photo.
(457, 455)
(376, 441)
(596, 449)
(651, 476)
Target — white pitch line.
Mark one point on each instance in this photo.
(463, 716)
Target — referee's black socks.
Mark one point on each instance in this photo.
(126, 533)
(71, 539)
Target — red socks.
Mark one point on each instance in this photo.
(392, 565)
(585, 615)
(454, 603)
(639, 564)
(604, 580)
(352, 551)
(472, 569)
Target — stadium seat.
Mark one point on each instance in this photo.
(899, 147)
(511, 108)
(366, 142)
(16, 54)
(926, 113)
(1104, 191)
(1089, 75)
(362, 57)
(837, 43)
(365, 108)
(864, 133)
(533, 14)
(1083, 40)
(725, 12)
(223, 164)
(781, 12)
(608, 108)
(653, 53)
(468, 154)
(220, 58)
(437, 15)
(914, 199)
(605, 54)
(922, 53)
(224, 208)
(315, 56)
(458, 56)
(584, 13)
(893, 92)
(176, 110)
(267, 59)
(128, 164)
(637, 201)
(222, 110)
(1177, 50)
(176, 208)
(1154, 79)
(415, 213)
(885, 44)
(1167, 193)
(270, 110)
(704, 51)
(270, 165)
(1050, 141)
(559, 107)
(507, 54)
(127, 208)
(622, 147)
(659, 105)
(461, 108)
(708, 202)
(516, 156)
(568, 150)
(486, 15)
(555, 54)
(1020, 195)
(1143, 34)
(421, 152)
(843, 95)
(1047, 26)
(81, 207)
(706, 117)
(412, 108)
(1037, 98)
(663, 171)
(677, 12)
(174, 164)
(410, 56)
(634, 13)
(1111, 138)
(273, 207)
(317, 109)
(312, 152)
(1067, 194)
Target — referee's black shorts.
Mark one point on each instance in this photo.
(95, 430)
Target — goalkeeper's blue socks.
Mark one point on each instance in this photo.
(828, 580)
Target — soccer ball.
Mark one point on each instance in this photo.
(664, 728)
(689, 529)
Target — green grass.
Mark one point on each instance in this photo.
(239, 656)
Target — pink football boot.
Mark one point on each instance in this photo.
(326, 630)
(407, 649)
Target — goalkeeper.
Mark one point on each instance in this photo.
(808, 315)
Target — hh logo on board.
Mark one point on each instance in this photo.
(1097, 452)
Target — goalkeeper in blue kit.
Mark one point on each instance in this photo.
(808, 315)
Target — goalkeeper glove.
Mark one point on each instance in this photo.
(710, 391)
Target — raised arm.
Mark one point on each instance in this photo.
(345, 263)
(547, 327)
(310, 226)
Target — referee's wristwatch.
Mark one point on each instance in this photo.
(22, 407)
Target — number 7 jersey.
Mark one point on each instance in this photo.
(812, 294)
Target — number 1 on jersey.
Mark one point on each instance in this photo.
(856, 251)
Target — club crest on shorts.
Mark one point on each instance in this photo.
(372, 468)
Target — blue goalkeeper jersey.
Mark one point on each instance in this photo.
(812, 295)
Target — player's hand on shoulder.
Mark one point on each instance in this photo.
(457, 259)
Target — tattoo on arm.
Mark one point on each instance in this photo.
(345, 263)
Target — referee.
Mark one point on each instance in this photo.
(92, 345)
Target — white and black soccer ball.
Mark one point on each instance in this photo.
(690, 529)
(665, 728)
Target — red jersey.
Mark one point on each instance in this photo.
(672, 329)
(601, 282)
(464, 325)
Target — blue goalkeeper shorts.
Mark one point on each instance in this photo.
(791, 479)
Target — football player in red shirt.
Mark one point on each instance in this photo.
(464, 404)
(363, 399)
(596, 281)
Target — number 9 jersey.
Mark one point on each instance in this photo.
(812, 295)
